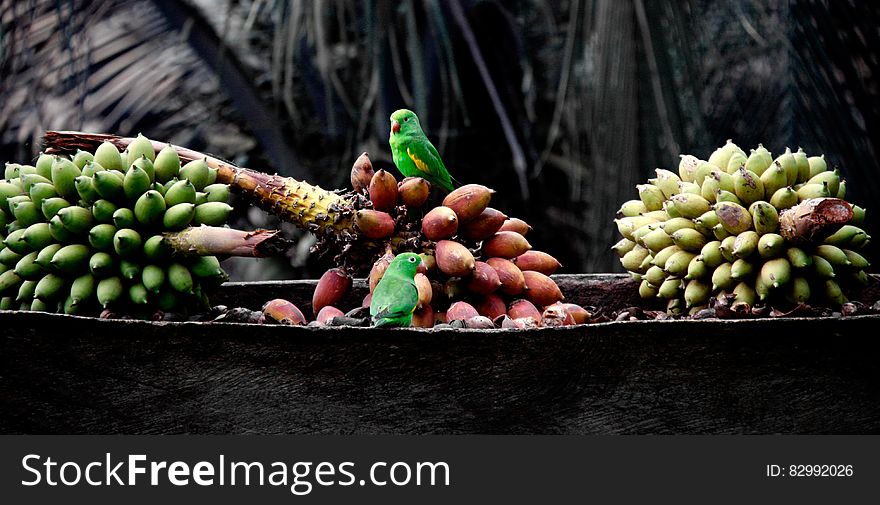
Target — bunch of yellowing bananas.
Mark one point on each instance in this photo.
(713, 230)
(85, 233)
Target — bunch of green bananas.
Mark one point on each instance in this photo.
(84, 233)
(713, 230)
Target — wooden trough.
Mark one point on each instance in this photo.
(67, 374)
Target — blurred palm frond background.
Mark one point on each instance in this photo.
(560, 106)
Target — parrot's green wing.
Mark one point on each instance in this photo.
(395, 298)
(426, 158)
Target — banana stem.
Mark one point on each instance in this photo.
(216, 241)
(814, 219)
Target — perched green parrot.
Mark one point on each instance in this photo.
(396, 296)
(413, 153)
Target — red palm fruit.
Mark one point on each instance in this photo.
(414, 192)
(423, 317)
(556, 315)
(580, 314)
(332, 286)
(523, 308)
(517, 225)
(454, 259)
(483, 226)
(378, 269)
(540, 289)
(439, 223)
(383, 190)
(429, 262)
(506, 244)
(374, 224)
(479, 322)
(491, 306)
(484, 280)
(468, 201)
(461, 310)
(327, 313)
(284, 312)
(361, 173)
(424, 287)
(440, 317)
(511, 277)
(367, 300)
(537, 261)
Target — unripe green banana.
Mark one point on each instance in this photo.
(745, 244)
(711, 254)
(721, 277)
(677, 223)
(26, 213)
(774, 179)
(744, 293)
(706, 222)
(127, 242)
(91, 168)
(9, 258)
(37, 236)
(687, 167)
(822, 268)
(858, 215)
(747, 186)
(737, 161)
(179, 216)
(12, 201)
(817, 165)
(689, 205)
(9, 280)
(647, 290)
(654, 275)
(218, 193)
(833, 293)
(85, 188)
(167, 164)
(666, 181)
(860, 278)
(651, 196)
(212, 213)
(102, 264)
(41, 306)
(82, 289)
(199, 174)
(140, 146)
(155, 249)
(789, 164)
(721, 156)
(180, 279)
(206, 267)
(64, 173)
(44, 257)
(101, 236)
(831, 178)
(8, 190)
(637, 234)
(150, 208)
(25, 292)
(43, 166)
(776, 272)
(129, 270)
(27, 268)
(167, 300)
(627, 225)
(633, 259)
(727, 196)
(798, 290)
(734, 218)
(622, 247)
(833, 254)
(696, 293)
(646, 263)
(689, 239)
(759, 160)
(123, 218)
(138, 294)
(135, 182)
(102, 211)
(40, 192)
(765, 217)
(110, 185)
(710, 188)
(108, 157)
(7, 303)
(856, 260)
(153, 277)
(677, 264)
(656, 214)
(146, 165)
(656, 240)
(697, 269)
(15, 242)
(71, 259)
(109, 291)
(784, 198)
(771, 245)
(76, 220)
(184, 192)
(841, 189)
(662, 257)
(803, 165)
(670, 288)
(741, 269)
(50, 288)
(692, 187)
(809, 190)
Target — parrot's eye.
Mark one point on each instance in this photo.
(412, 260)
(405, 120)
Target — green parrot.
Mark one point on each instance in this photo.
(413, 153)
(396, 296)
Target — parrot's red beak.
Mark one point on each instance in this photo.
(395, 126)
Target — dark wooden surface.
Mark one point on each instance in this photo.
(62, 374)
